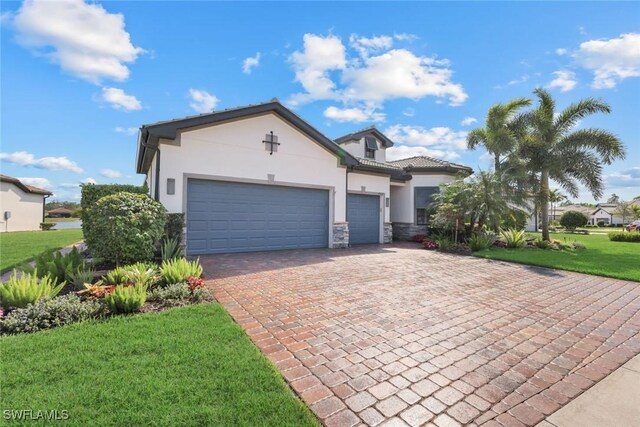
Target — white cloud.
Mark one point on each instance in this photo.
(561, 51)
(110, 173)
(85, 39)
(202, 101)
(69, 185)
(366, 46)
(434, 137)
(89, 180)
(250, 63)
(564, 80)
(353, 115)
(468, 121)
(611, 60)
(319, 56)
(405, 37)
(409, 112)
(374, 76)
(37, 182)
(128, 131)
(522, 79)
(23, 158)
(402, 152)
(119, 100)
(626, 178)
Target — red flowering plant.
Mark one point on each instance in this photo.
(195, 283)
(430, 244)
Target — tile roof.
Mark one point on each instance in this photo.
(24, 187)
(425, 162)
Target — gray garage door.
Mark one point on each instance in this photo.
(234, 217)
(363, 215)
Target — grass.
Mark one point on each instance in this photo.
(55, 220)
(602, 257)
(21, 246)
(185, 366)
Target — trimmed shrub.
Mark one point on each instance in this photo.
(601, 224)
(620, 236)
(21, 291)
(124, 227)
(52, 313)
(46, 226)
(573, 219)
(174, 227)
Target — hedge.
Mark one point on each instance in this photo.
(174, 227)
(619, 236)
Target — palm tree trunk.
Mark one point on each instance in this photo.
(544, 203)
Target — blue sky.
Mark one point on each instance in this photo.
(79, 78)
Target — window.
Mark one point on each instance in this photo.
(171, 186)
(422, 203)
(370, 147)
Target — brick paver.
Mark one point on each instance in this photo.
(403, 335)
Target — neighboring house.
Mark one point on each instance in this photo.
(555, 213)
(261, 178)
(59, 213)
(606, 212)
(21, 205)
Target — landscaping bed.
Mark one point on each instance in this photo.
(185, 366)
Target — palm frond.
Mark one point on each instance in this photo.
(607, 145)
(476, 137)
(586, 168)
(579, 110)
(547, 105)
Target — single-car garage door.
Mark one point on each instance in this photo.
(363, 215)
(237, 217)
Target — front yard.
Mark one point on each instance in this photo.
(20, 246)
(184, 366)
(602, 257)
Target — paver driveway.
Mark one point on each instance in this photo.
(404, 335)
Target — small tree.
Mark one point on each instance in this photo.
(124, 227)
(573, 219)
(625, 210)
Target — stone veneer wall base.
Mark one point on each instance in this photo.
(387, 235)
(340, 235)
(406, 230)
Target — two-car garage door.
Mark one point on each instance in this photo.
(239, 217)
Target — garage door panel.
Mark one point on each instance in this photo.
(363, 215)
(239, 217)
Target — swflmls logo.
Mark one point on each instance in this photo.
(30, 414)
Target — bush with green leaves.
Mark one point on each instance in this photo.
(46, 226)
(513, 237)
(443, 241)
(573, 219)
(124, 227)
(481, 240)
(171, 295)
(601, 224)
(51, 313)
(621, 236)
(542, 244)
(83, 274)
(22, 290)
(174, 227)
(126, 298)
(178, 270)
(56, 265)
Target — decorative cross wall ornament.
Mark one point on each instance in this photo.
(271, 142)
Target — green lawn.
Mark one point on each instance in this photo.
(20, 246)
(602, 257)
(185, 366)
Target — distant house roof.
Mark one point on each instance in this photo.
(24, 187)
(371, 130)
(429, 164)
(151, 133)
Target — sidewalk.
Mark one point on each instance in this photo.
(613, 402)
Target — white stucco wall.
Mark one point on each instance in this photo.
(357, 149)
(402, 209)
(25, 208)
(234, 151)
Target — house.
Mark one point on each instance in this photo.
(59, 213)
(261, 178)
(607, 213)
(555, 212)
(21, 205)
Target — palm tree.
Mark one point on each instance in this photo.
(554, 151)
(499, 136)
(555, 197)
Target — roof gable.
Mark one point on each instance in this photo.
(24, 187)
(150, 134)
(371, 130)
